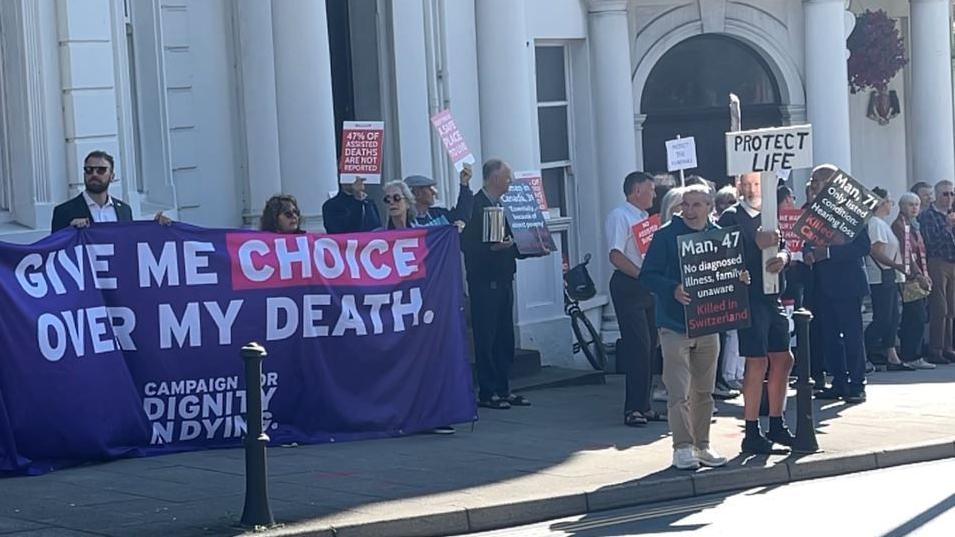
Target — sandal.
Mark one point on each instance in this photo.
(653, 415)
(634, 419)
(494, 402)
(517, 400)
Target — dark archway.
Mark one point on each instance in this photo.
(687, 93)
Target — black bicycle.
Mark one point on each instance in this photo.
(578, 285)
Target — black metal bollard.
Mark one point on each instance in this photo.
(805, 424)
(256, 511)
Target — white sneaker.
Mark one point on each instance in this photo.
(922, 363)
(709, 457)
(684, 458)
(660, 395)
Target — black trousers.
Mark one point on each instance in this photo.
(912, 329)
(635, 316)
(492, 324)
(881, 333)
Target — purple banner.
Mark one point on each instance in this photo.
(124, 339)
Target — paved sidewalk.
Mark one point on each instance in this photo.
(568, 454)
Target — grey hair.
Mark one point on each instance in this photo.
(940, 184)
(703, 189)
(405, 191)
(491, 167)
(726, 194)
(909, 198)
(668, 205)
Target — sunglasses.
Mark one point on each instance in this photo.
(88, 170)
(948, 194)
(393, 199)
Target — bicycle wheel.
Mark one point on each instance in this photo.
(589, 340)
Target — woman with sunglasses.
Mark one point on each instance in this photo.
(399, 201)
(281, 215)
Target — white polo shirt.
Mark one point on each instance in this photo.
(619, 229)
(106, 213)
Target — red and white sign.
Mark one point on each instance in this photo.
(787, 230)
(452, 139)
(537, 186)
(362, 148)
(643, 232)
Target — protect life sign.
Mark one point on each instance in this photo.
(769, 150)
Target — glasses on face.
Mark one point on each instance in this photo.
(395, 198)
(947, 194)
(101, 170)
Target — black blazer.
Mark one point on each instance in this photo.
(65, 212)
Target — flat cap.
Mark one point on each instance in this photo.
(419, 180)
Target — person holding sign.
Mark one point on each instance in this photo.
(765, 344)
(350, 211)
(689, 364)
(632, 302)
(490, 270)
(839, 285)
(425, 194)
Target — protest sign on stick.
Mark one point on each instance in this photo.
(452, 139)
(681, 155)
(362, 148)
(839, 213)
(522, 208)
(770, 152)
(711, 267)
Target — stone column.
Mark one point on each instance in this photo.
(933, 149)
(827, 89)
(306, 112)
(256, 57)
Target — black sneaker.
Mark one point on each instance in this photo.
(757, 445)
(781, 436)
(830, 394)
(444, 429)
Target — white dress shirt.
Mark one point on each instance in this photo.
(105, 213)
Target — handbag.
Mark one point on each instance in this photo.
(912, 290)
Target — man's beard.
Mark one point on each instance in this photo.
(96, 187)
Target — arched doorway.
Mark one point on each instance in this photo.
(687, 93)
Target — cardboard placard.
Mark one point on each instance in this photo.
(769, 150)
(523, 213)
(839, 213)
(787, 230)
(452, 139)
(362, 149)
(711, 266)
(537, 186)
(643, 232)
(681, 154)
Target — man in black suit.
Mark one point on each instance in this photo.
(490, 275)
(93, 204)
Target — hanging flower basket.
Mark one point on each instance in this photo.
(876, 55)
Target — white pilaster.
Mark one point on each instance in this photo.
(507, 94)
(613, 98)
(306, 112)
(413, 127)
(256, 57)
(934, 145)
(827, 90)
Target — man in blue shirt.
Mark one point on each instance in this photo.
(425, 194)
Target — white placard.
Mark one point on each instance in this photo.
(681, 154)
(769, 150)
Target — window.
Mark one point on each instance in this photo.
(553, 124)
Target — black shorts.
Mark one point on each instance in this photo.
(768, 331)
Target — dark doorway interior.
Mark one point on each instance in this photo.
(687, 93)
(339, 45)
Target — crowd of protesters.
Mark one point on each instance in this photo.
(904, 265)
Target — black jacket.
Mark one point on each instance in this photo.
(67, 211)
(462, 211)
(345, 214)
(483, 264)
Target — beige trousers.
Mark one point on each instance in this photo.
(689, 372)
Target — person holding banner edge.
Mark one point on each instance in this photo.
(765, 344)
(632, 302)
